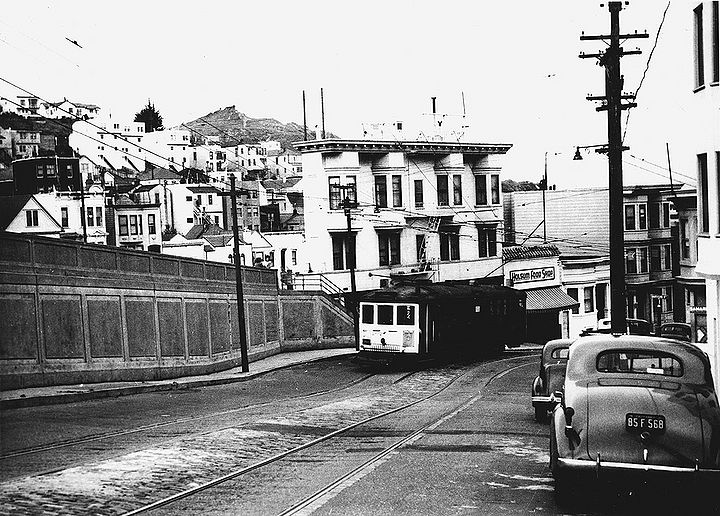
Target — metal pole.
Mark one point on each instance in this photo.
(82, 201)
(613, 90)
(347, 205)
(304, 119)
(543, 201)
(322, 112)
(351, 246)
(238, 280)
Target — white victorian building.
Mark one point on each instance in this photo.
(417, 207)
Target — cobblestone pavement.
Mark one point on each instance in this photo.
(123, 483)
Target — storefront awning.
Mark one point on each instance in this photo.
(550, 299)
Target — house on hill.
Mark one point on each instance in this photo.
(208, 242)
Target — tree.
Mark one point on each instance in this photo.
(151, 117)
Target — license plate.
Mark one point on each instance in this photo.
(638, 423)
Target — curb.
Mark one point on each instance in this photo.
(58, 399)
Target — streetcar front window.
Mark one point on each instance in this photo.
(367, 314)
(385, 314)
(406, 315)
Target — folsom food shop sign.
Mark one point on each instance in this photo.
(525, 275)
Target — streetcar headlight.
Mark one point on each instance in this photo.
(407, 339)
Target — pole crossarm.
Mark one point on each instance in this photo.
(604, 97)
(610, 36)
(622, 106)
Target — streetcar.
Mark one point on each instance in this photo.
(430, 321)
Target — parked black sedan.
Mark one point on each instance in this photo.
(550, 378)
(635, 408)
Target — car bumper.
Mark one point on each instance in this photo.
(601, 468)
(545, 400)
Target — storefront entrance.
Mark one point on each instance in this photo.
(542, 326)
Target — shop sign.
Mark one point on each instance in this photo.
(698, 309)
(540, 274)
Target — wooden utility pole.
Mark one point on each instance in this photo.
(347, 205)
(544, 187)
(322, 112)
(304, 119)
(82, 205)
(612, 103)
(234, 194)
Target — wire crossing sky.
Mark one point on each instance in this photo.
(515, 63)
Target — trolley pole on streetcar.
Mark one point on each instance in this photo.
(234, 194)
(612, 103)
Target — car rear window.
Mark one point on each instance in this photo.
(640, 361)
(560, 353)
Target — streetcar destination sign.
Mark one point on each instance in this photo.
(544, 273)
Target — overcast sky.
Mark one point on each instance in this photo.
(516, 63)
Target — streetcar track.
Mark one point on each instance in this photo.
(323, 495)
(154, 426)
(344, 430)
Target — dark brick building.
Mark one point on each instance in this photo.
(43, 174)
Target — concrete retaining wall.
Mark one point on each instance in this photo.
(74, 313)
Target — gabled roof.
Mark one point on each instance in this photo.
(294, 218)
(10, 206)
(123, 200)
(205, 230)
(144, 188)
(219, 240)
(297, 200)
(203, 189)
(276, 184)
(158, 173)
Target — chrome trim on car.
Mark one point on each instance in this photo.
(588, 465)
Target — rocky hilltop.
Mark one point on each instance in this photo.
(231, 126)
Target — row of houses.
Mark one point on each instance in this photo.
(118, 144)
(434, 209)
(32, 106)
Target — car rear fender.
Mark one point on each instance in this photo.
(680, 443)
(710, 413)
(570, 439)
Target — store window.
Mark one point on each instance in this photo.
(573, 293)
(589, 300)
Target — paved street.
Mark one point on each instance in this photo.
(447, 440)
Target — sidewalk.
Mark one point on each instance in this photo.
(35, 396)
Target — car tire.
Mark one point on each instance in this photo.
(541, 414)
